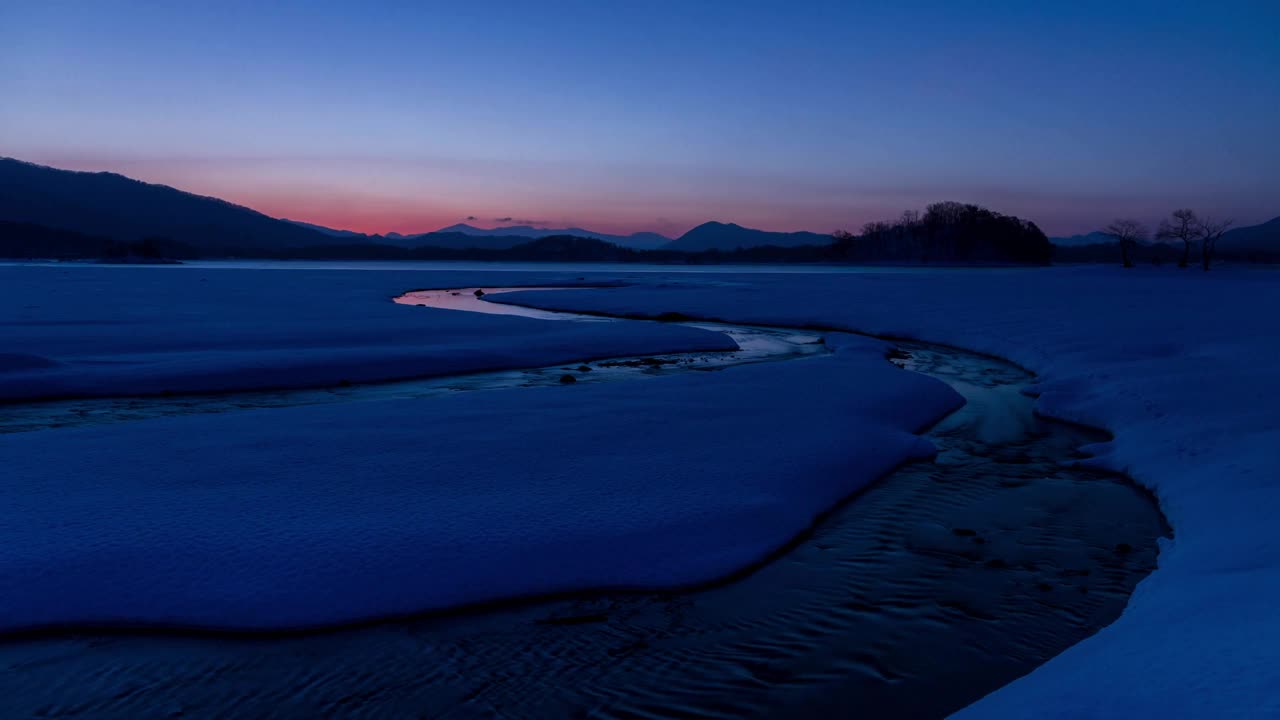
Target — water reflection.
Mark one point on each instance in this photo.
(471, 299)
(756, 344)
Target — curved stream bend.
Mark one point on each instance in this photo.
(937, 585)
(756, 344)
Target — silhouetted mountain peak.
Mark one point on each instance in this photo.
(716, 235)
(121, 208)
(639, 241)
(328, 230)
(459, 228)
(1264, 236)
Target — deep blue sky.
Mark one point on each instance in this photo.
(658, 115)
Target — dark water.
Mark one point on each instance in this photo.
(756, 344)
(933, 587)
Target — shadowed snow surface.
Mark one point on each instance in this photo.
(329, 513)
(1181, 366)
(314, 515)
(97, 331)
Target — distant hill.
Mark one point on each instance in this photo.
(27, 241)
(326, 230)
(511, 235)
(454, 237)
(1253, 244)
(51, 213)
(443, 238)
(555, 248)
(730, 236)
(456, 241)
(1093, 238)
(398, 236)
(635, 241)
(116, 207)
(1255, 237)
(1265, 236)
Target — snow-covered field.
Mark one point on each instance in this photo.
(313, 515)
(1182, 367)
(320, 514)
(76, 331)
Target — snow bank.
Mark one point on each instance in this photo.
(1180, 365)
(337, 513)
(320, 514)
(75, 331)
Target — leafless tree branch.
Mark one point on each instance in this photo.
(1127, 233)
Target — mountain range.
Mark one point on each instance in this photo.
(329, 231)
(724, 237)
(113, 206)
(1264, 236)
(109, 207)
(730, 236)
(636, 241)
(120, 208)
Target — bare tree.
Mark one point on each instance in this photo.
(1184, 226)
(1210, 231)
(1127, 233)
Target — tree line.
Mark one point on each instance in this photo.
(948, 233)
(1182, 225)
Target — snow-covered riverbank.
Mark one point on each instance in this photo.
(306, 516)
(1181, 366)
(79, 331)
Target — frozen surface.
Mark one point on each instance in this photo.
(78, 331)
(1181, 366)
(275, 517)
(326, 514)
(881, 608)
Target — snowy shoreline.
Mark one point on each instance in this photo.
(928, 589)
(387, 507)
(648, 514)
(94, 331)
(1160, 360)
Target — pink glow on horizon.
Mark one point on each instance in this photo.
(415, 197)
(378, 197)
(298, 191)
(372, 216)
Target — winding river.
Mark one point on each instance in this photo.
(935, 586)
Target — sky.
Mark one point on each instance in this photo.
(657, 116)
